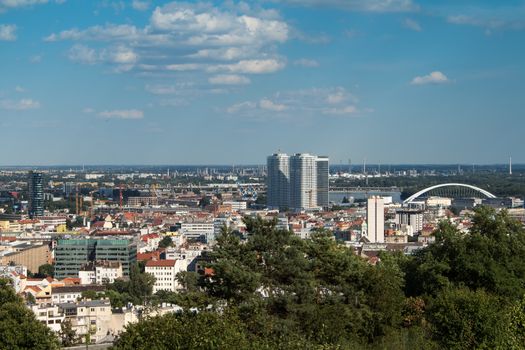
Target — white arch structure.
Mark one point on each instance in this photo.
(428, 189)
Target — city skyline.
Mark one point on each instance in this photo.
(150, 83)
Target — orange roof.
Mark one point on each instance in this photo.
(148, 256)
(161, 263)
(71, 281)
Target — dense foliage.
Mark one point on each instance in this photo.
(276, 291)
(19, 328)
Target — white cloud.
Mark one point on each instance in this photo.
(271, 106)
(228, 79)
(83, 54)
(238, 107)
(23, 104)
(231, 38)
(339, 95)
(183, 67)
(359, 5)
(305, 62)
(122, 114)
(88, 110)
(251, 66)
(7, 32)
(123, 57)
(304, 103)
(432, 78)
(19, 89)
(341, 111)
(140, 5)
(412, 24)
(12, 4)
(490, 23)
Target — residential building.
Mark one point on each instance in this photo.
(303, 181)
(72, 293)
(278, 181)
(410, 217)
(92, 316)
(100, 272)
(375, 220)
(165, 273)
(322, 164)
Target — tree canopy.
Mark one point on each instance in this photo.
(270, 289)
(19, 328)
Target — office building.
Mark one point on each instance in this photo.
(303, 181)
(278, 181)
(36, 194)
(72, 254)
(322, 181)
(375, 219)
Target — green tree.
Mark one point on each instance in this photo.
(19, 328)
(68, 336)
(46, 270)
(140, 285)
(465, 319)
(203, 330)
(165, 242)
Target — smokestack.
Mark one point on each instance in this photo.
(510, 166)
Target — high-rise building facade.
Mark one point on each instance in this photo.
(303, 181)
(322, 164)
(72, 254)
(375, 215)
(36, 194)
(278, 181)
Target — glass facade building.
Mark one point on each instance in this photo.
(71, 254)
(36, 194)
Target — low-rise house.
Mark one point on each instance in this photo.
(73, 293)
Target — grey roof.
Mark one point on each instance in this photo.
(78, 289)
(87, 303)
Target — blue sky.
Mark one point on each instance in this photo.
(146, 82)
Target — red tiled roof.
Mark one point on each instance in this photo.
(161, 263)
(148, 256)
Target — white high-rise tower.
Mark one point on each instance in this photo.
(278, 181)
(375, 215)
(303, 180)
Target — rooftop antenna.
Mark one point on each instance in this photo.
(510, 166)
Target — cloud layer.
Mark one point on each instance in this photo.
(122, 114)
(182, 37)
(7, 32)
(299, 103)
(432, 78)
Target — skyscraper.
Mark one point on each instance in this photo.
(36, 194)
(376, 219)
(322, 181)
(278, 181)
(303, 181)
